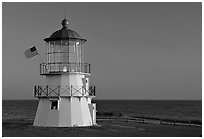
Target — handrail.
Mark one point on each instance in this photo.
(48, 91)
(63, 67)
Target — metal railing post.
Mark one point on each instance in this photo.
(59, 68)
(34, 91)
(83, 91)
(58, 90)
(94, 92)
(40, 68)
(90, 90)
(89, 68)
(71, 90)
(47, 90)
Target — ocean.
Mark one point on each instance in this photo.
(166, 109)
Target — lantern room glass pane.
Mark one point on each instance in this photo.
(65, 55)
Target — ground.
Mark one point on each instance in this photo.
(105, 128)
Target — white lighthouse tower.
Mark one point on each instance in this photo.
(65, 100)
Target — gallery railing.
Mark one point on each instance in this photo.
(64, 67)
(48, 91)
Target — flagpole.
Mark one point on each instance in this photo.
(32, 52)
(41, 57)
(38, 52)
(43, 64)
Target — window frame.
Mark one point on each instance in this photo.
(52, 106)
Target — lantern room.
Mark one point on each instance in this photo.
(64, 52)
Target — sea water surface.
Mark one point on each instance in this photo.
(170, 109)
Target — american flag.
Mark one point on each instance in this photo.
(31, 52)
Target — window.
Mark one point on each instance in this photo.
(54, 104)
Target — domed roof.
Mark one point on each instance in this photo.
(64, 34)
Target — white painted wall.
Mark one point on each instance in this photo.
(65, 110)
(45, 116)
(73, 111)
(53, 80)
(65, 80)
(52, 116)
(68, 80)
(92, 109)
(94, 113)
(87, 120)
(76, 112)
(42, 113)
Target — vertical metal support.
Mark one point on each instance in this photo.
(83, 51)
(71, 90)
(81, 91)
(48, 55)
(85, 68)
(89, 68)
(68, 51)
(94, 92)
(40, 68)
(59, 66)
(34, 91)
(43, 68)
(75, 57)
(47, 90)
(58, 90)
(39, 90)
(90, 90)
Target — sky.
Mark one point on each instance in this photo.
(136, 50)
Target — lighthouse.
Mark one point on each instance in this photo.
(65, 100)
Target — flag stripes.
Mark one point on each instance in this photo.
(31, 52)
